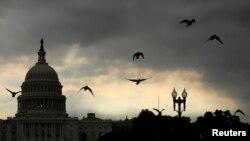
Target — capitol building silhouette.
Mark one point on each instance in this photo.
(41, 111)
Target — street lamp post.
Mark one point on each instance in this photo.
(179, 101)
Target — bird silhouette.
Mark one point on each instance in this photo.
(87, 88)
(137, 55)
(188, 22)
(12, 92)
(138, 81)
(239, 111)
(215, 37)
(159, 111)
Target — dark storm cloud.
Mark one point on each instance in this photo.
(116, 28)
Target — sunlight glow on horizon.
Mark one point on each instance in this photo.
(115, 96)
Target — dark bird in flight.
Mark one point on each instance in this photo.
(159, 111)
(87, 88)
(215, 37)
(188, 22)
(137, 55)
(12, 92)
(239, 111)
(138, 81)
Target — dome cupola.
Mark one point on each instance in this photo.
(41, 70)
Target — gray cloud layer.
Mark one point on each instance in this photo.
(117, 28)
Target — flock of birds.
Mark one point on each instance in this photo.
(137, 56)
(212, 37)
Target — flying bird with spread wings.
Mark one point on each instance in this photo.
(137, 55)
(188, 22)
(138, 81)
(215, 37)
(12, 92)
(85, 88)
(159, 111)
(239, 111)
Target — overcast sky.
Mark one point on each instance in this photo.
(92, 42)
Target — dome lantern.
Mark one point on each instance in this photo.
(41, 54)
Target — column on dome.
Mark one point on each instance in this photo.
(28, 104)
(47, 103)
(33, 104)
(61, 105)
(59, 108)
(52, 104)
(23, 129)
(18, 106)
(59, 102)
(64, 106)
(60, 128)
(55, 104)
(45, 129)
(38, 103)
(49, 100)
(28, 101)
(42, 104)
(43, 101)
(35, 101)
(23, 104)
(58, 105)
(53, 129)
(32, 129)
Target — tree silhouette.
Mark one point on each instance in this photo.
(221, 120)
(149, 127)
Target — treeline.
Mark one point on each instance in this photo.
(150, 127)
